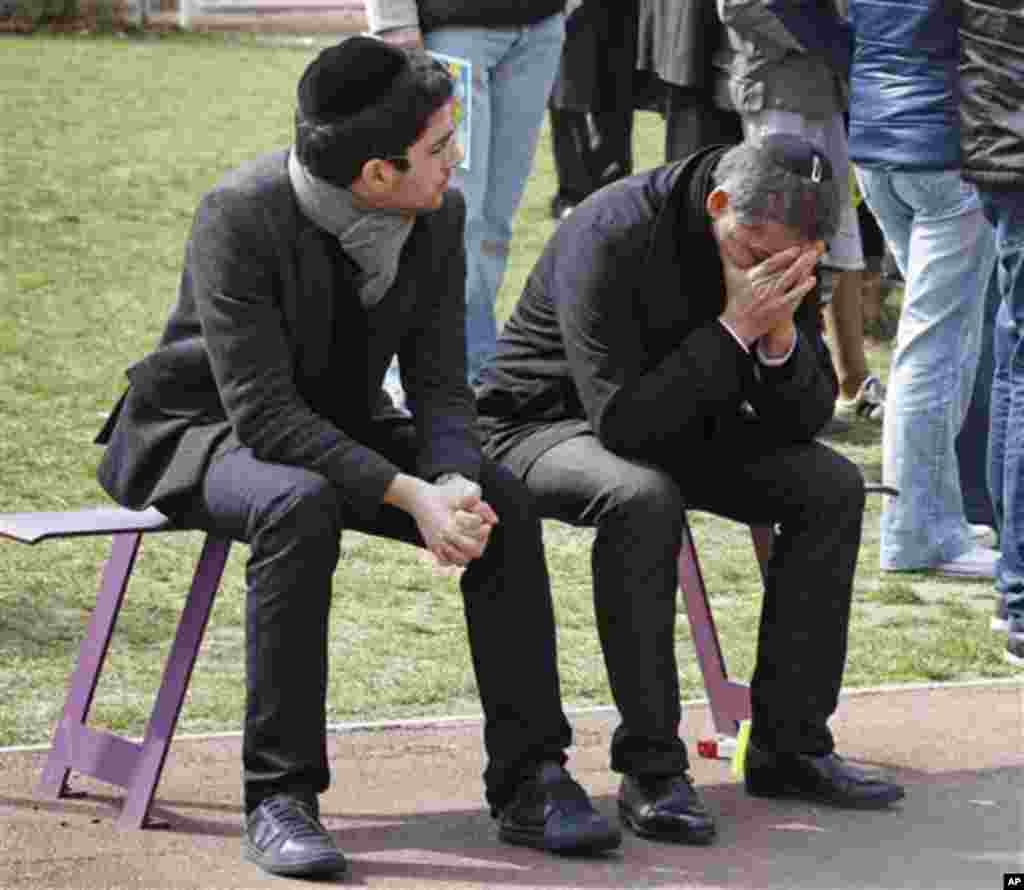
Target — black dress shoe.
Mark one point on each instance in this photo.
(665, 808)
(283, 835)
(823, 779)
(550, 811)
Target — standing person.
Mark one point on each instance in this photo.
(676, 42)
(991, 68)
(905, 145)
(592, 101)
(679, 287)
(260, 416)
(784, 68)
(650, 54)
(514, 47)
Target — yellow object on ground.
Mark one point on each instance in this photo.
(739, 756)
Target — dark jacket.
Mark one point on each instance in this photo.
(903, 84)
(597, 71)
(785, 55)
(616, 333)
(270, 347)
(992, 93)
(676, 40)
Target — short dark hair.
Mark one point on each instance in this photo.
(767, 185)
(367, 101)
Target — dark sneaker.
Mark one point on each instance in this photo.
(283, 836)
(665, 808)
(561, 207)
(550, 811)
(868, 404)
(1015, 641)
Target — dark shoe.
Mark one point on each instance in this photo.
(561, 207)
(665, 808)
(283, 835)
(1015, 641)
(836, 426)
(823, 779)
(550, 811)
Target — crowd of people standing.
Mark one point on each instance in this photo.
(829, 71)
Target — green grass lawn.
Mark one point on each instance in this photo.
(107, 145)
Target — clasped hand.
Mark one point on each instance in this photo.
(454, 521)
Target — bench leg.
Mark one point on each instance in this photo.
(91, 656)
(728, 700)
(103, 755)
(177, 673)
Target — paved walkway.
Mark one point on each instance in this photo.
(405, 805)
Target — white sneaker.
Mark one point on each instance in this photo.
(984, 535)
(868, 404)
(977, 563)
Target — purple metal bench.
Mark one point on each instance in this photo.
(103, 755)
(135, 766)
(728, 700)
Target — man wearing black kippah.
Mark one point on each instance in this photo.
(662, 358)
(261, 416)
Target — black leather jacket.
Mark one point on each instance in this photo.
(992, 93)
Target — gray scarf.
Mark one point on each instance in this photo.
(373, 238)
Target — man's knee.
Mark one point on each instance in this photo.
(643, 497)
(507, 495)
(837, 485)
(308, 507)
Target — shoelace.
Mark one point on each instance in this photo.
(295, 818)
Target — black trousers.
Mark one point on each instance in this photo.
(693, 122)
(591, 150)
(293, 519)
(816, 498)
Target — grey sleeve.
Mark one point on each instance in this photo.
(390, 15)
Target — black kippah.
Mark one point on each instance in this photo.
(797, 155)
(348, 77)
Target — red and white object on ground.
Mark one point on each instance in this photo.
(721, 747)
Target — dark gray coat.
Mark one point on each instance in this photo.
(676, 40)
(270, 347)
(597, 71)
(992, 93)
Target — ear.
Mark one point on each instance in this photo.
(716, 203)
(377, 176)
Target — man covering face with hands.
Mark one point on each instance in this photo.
(666, 355)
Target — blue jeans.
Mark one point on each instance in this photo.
(1005, 210)
(945, 249)
(513, 71)
(972, 443)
